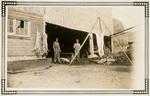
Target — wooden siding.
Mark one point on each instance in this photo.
(22, 46)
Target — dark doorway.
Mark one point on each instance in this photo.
(67, 38)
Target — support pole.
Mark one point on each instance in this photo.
(124, 52)
(83, 42)
(119, 42)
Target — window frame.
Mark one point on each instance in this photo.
(13, 22)
(14, 33)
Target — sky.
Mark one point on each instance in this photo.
(129, 15)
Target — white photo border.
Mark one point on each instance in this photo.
(36, 3)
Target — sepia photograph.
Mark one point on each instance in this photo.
(75, 47)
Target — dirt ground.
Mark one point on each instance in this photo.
(75, 76)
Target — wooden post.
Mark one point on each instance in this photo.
(83, 42)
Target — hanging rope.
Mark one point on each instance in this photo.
(83, 42)
(106, 26)
(118, 43)
(100, 26)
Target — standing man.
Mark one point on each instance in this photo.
(57, 51)
(77, 49)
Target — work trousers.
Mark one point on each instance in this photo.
(56, 57)
(78, 56)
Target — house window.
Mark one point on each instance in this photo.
(18, 28)
(10, 26)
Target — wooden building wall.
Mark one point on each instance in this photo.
(22, 46)
(76, 18)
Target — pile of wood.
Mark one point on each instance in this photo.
(115, 59)
(120, 58)
(104, 60)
